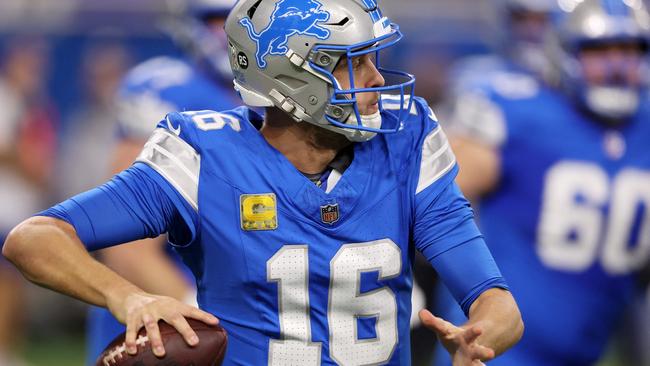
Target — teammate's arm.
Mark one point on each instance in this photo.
(480, 166)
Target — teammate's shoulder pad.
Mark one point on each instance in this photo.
(158, 73)
(513, 85)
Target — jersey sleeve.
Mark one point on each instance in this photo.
(446, 234)
(444, 230)
(137, 203)
(435, 164)
(173, 152)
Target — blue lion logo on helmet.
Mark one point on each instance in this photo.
(290, 17)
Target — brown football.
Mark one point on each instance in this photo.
(209, 352)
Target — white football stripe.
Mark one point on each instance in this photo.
(437, 159)
(176, 161)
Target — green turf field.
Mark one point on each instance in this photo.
(60, 352)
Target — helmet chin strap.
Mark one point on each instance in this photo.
(367, 120)
(355, 135)
(616, 103)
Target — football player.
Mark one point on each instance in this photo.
(154, 87)
(562, 171)
(520, 45)
(300, 227)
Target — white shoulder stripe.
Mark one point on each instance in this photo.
(175, 160)
(437, 159)
(392, 102)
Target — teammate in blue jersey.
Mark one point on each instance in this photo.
(563, 178)
(151, 89)
(300, 227)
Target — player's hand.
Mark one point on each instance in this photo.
(140, 309)
(460, 342)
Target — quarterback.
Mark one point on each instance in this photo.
(300, 227)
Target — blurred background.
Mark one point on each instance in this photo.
(61, 62)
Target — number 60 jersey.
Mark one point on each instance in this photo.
(569, 223)
(299, 275)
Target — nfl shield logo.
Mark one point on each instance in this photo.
(329, 214)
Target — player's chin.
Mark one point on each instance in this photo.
(370, 109)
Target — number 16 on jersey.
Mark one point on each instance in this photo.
(289, 267)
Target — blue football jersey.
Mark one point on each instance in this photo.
(150, 91)
(297, 275)
(485, 72)
(569, 223)
(162, 85)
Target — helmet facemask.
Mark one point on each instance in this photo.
(599, 53)
(394, 92)
(612, 78)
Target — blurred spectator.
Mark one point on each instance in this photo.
(84, 161)
(562, 169)
(27, 147)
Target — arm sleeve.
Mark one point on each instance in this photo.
(446, 234)
(137, 203)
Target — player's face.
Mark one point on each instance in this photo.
(615, 64)
(529, 26)
(366, 75)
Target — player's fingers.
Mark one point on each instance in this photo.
(133, 325)
(479, 352)
(471, 334)
(153, 333)
(425, 316)
(198, 314)
(183, 327)
(442, 327)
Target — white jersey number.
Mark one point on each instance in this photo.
(289, 267)
(574, 230)
(210, 120)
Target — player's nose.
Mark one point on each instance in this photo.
(375, 78)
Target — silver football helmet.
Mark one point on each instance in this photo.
(592, 23)
(525, 22)
(283, 54)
